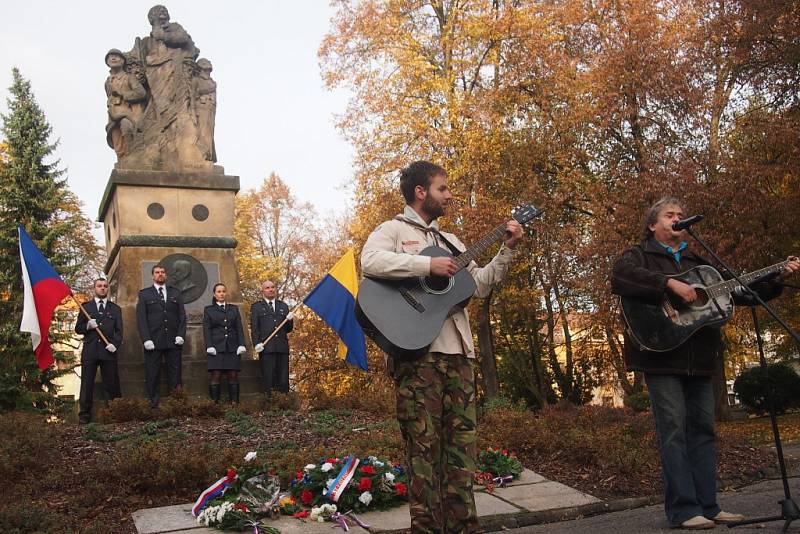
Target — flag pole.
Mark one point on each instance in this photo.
(102, 335)
(283, 322)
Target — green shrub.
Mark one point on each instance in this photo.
(638, 402)
(16, 519)
(26, 444)
(242, 423)
(781, 380)
(502, 402)
(126, 409)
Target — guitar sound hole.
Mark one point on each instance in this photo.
(437, 284)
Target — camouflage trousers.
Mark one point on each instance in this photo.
(436, 412)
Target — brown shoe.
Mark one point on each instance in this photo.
(723, 518)
(697, 522)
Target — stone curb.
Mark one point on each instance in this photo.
(524, 519)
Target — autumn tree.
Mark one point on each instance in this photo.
(276, 237)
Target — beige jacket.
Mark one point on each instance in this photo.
(391, 251)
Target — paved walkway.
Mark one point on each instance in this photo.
(531, 494)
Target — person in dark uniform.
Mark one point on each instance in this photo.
(107, 318)
(265, 316)
(161, 320)
(224, 341)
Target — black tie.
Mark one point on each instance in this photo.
(270, 306)
(161, 293)
(101, 308)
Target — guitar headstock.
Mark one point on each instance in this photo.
(526, 213)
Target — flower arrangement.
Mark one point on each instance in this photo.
(240, 499)
(496, 468)
(499, 463)
(357, 485)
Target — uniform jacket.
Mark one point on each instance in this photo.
(222, 329)
(392, 251)
(94, 348)
(642, 272)
(158, 321)
(263, 322)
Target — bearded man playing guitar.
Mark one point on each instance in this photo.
(679, 379)
(435, 390)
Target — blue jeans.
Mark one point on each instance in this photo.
(683, 409)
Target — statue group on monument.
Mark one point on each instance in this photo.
(161, 100)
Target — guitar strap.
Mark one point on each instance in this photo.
(436, 233)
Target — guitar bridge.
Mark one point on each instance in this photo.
(417, 305)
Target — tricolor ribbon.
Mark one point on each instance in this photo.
(341, 481)
(214, 490)
(500, 482)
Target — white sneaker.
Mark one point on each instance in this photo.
(697, 522)
(723, 518)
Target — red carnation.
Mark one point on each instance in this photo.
(240, 506)
(307, 497)
(332, 460)
(400, 488)
(365, 484)
(368, 470)
(302, 514)
(231, 474)
(505, 452)
(299, 475)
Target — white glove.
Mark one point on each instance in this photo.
(91, 325)
(212, 351)
(111, 348)
(240, 350)
(290, 316)
(178, 340)
(149, 345)
(259, 347)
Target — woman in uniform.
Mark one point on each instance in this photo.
(224, 341)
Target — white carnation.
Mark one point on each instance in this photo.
(327, 466)
(250, 456)
(310, 467)
(389, 477)
(366, 498)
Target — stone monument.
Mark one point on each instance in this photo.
(166, 201)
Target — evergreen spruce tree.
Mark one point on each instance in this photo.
(33, 193)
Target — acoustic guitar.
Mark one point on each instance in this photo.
(405, 316)
(661, 326)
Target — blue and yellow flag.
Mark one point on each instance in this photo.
(334, 300)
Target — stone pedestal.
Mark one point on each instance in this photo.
(185, 222)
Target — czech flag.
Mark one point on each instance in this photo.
(334, 300)
(43, 291)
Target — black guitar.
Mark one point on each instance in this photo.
(404, 317)
(661, 326)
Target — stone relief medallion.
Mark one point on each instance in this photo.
(187, 274)
(155, 211)
(200, 212)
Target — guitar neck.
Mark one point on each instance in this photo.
(463, 259)
(723, 288)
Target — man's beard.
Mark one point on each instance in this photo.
(432, 208)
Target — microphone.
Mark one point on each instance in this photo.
(683, 224)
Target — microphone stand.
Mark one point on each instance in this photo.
(789, 510)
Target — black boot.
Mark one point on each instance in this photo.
(233, 393)
(213, 391)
